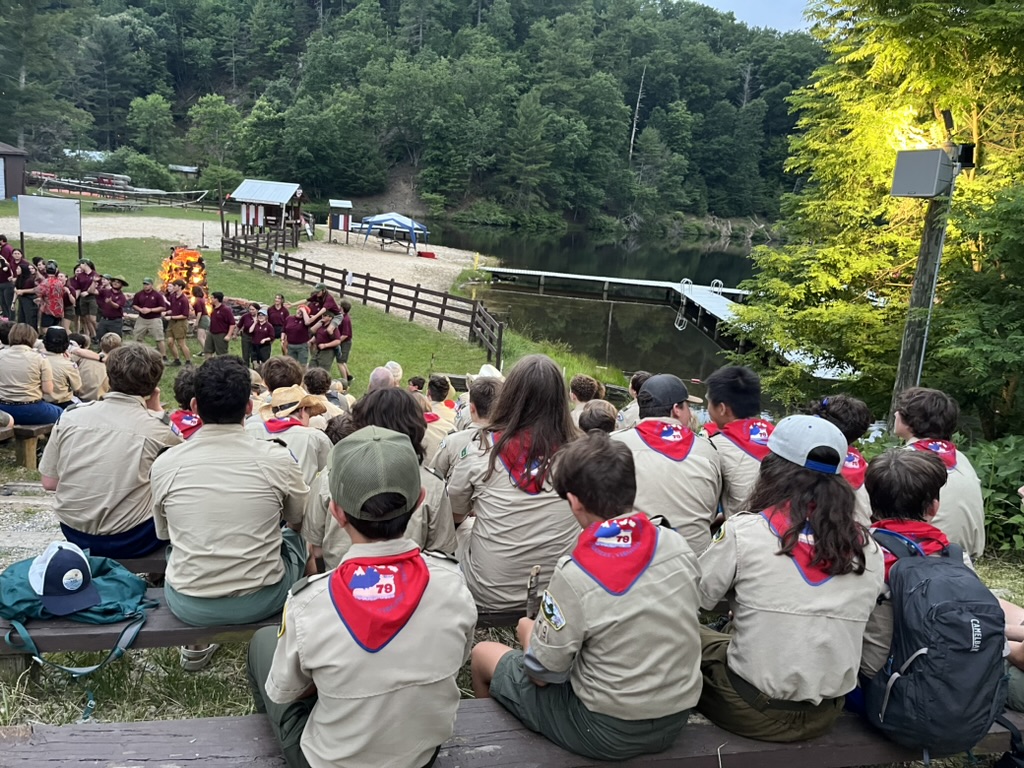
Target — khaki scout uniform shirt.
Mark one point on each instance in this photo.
(961, 508)
(220, 498)
(94, 379)
(22, 373)
(431, 526)
(66, 378)
(628, 417)
(450, 449)
(389, 709)
(634, 656)
(739, 473)
(309, 446)
(436, 434)
(101, 454)
(684, 492)
(790, 640)
(512, 530)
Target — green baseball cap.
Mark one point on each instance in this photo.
(147, 281)
(372, 461)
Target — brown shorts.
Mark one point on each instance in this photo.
(176, 329)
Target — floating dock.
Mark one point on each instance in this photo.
(704, 305)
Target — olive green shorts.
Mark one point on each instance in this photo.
(555, 712)
(1015, 689)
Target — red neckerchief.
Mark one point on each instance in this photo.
(615, 553)
(513, 456)
(376, 596)
(186, 422)
(803, 553)
(710, 429)
(749, 435)
(431, 417)
(274, 426)
(926, 536)
(944, 449)
(672, 440)
(854, 468)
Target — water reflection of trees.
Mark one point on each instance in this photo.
(585, 253)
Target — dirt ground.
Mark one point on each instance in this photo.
(390, 263)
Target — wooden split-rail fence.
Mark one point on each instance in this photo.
(415, 301)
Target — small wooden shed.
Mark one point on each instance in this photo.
(270, 205)
(12, 171)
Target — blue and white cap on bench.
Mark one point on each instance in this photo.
(63, 580)
(795, 437)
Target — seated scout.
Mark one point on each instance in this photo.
(926, 419)
(904, 488)
(99, 456)
(611, 668)
(803, 577)
(511, 518)
(431, 526)
(853, 417)
(286, 418)
(737, 431)
(483, 393)
(363, 670)
(220, 499)
(679, 474)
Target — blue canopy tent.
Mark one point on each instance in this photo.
(402, 226)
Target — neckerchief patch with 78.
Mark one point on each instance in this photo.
(667, 438)
(615, 553)
(376, 596)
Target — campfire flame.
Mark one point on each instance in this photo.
(184, 264)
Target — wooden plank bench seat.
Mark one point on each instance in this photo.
(162, 630)
(155, 562)
(485, 735)
(6, 433)
(26, 443)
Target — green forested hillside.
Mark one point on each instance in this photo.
(529, 104)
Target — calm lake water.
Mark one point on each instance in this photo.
(627, 337)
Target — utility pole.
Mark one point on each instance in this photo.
(922, 296)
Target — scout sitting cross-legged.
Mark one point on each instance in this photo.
(362, 672)
(611, 668)
(803, 577)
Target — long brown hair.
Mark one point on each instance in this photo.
(825, 502)
(534, 402)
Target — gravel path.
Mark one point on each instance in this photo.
(27, 522)
(391, 263)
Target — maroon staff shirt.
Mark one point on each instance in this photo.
(221, 320)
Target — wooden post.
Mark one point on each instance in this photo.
(302, 270)
(323, 272)
(391, 292)
(415, 301)
(444, 308)
(344, 282)
(366, 290)
(474, 319)
(497, 351)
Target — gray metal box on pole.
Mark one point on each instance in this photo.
(922, 173)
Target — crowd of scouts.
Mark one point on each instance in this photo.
(379, 528)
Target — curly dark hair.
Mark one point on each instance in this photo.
(393, 409)
(826, 502)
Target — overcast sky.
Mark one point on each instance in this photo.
(783, 15)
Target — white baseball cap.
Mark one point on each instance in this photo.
(796, 437)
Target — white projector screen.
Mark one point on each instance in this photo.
(49, 216)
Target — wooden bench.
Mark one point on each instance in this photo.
(26, 443)
(155, 562)
(162, 630)
(6, 433)
(485, 735)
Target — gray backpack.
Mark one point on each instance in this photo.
(944, 683)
